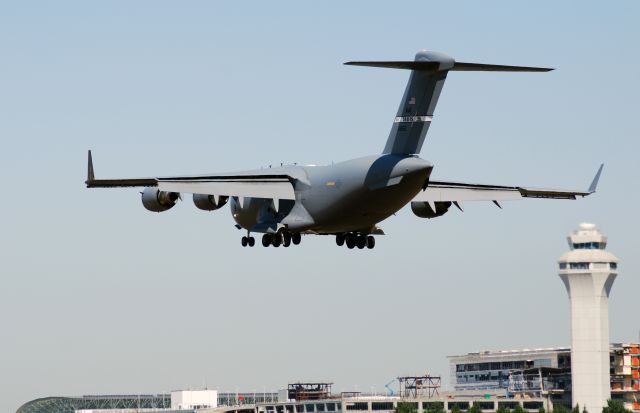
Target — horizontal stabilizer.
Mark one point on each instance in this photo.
(481, 67)
(411, 65)
(457, 66)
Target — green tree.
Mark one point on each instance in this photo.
(576, 409)
(502, 409)
(559, 408)
(475, 408)
(456, 409)
(584, 409)
(518, 409)
(542, 410)
(615, 406)
(404, 407)
(436, 407)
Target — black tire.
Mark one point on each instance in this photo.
(350, 240)
(361, 241)
(276, 240)
(252, 241)
(371, 242)
(286, 239)
(244, 241)
(266, 240)
(296, 238)
(340, 240)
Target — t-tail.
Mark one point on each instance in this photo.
(428, 73)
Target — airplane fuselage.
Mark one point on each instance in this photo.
(353, 195)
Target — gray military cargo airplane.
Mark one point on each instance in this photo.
(346, 199)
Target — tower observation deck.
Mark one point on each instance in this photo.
(588, 273)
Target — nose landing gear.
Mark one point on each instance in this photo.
(353, 240)
(248, 241)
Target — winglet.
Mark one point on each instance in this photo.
(90, 173)
(594, 183)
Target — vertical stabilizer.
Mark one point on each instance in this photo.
(420, 97)
(428, 73)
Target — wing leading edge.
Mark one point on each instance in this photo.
(440, 191)
(253, 185)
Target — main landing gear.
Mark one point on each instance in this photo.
(353, 240)
(283, 238)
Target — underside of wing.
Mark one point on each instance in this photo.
(438, 191)
(441, 191)
(252, 185)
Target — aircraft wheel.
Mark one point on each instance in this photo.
(286, 239)
(252, 241)
(361, 241)
(350, 240)
(266, 240)
(340, 239)
(244, 241)
(371, 242)
(296, 238)
(276, 240)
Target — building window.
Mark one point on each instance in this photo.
(310, 407)
(532, 405)
(320, 407)
(589, 246)
(484, 405)
(331, 407)
(613, 265)
(300, 408)
(382, 406)
(563, 265)
(459, 405)
(358, 406)
(579, 265)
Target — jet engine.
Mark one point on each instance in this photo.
(424, 210)
(208, 202)
(158, 201)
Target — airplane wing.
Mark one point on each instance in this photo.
(456, 192)
(255, 184)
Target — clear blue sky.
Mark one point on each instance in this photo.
(98, 295)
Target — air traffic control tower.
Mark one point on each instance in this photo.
(588, 272)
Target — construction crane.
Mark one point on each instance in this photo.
(389, 389)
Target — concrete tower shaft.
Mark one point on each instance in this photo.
(588, 272)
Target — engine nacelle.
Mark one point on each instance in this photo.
(424, 210)
(208, 202)
(158, 201)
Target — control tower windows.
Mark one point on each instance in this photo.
(579, 265)
(589, 245)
